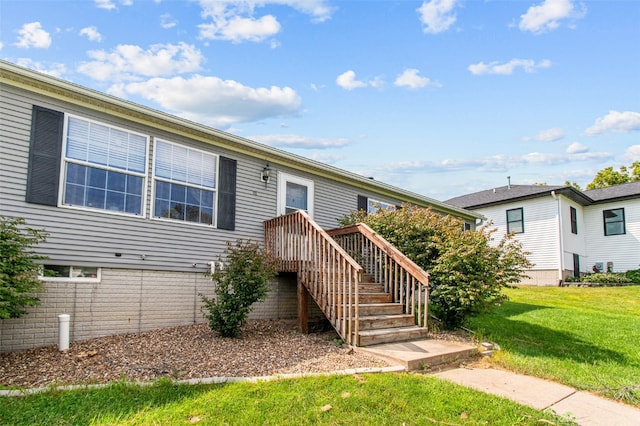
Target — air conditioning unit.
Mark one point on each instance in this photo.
(609, 266)
(598, 267)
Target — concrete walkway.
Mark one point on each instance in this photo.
(585, 408)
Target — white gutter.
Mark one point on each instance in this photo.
(560, 239)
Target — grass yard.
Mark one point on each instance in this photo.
(374, 399)
(588, 338)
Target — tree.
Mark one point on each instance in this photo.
(467, 272)
(572, 184)
(18, 268)
(243, 281)
(610, 177)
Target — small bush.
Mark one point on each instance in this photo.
(243, 281)
(18, 268)
(606, 278)
(634, 275)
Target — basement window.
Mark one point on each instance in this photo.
(70, 273)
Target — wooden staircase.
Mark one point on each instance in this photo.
(381, 320)
(381, 299)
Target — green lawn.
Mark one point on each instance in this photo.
(373, 399)
(588, 338)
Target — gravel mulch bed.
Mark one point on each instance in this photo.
(187, 352)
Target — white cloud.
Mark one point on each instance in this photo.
(298, 141)
(54, 69)
(615, 121)
(105, 4)
(214, 101)
(547, 15)
(235, 21)
(239, 29)
(497, 163)
(32, 35)
(91, 33)
(347, 80)
(167, 21)
(437, 15)
(410, 78)
(548, 135)
(110, 5)
(577, 148)
(632, 153)
(508, 68)
(127, 62)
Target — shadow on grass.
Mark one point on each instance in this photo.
(533, 340)
(120, 401)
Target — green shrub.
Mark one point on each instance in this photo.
(606, 278)
(18, 268)
(243, 281)
(634, 275)
(467, 272)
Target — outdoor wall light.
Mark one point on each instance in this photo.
(266, 174)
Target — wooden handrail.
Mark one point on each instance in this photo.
(323, 267)
(407, 282)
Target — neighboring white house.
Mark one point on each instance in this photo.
(567, 232)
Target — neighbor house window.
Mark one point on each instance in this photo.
(70, 273)
(294, 193)
(574, 220)
(515, 221)
(104, 167)
(185, 183)
(374, 205)
(613, 221)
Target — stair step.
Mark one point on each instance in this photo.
(368, 309)
(385, 321)
(375, 298)
(396, 334)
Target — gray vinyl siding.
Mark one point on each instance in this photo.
(84, 237)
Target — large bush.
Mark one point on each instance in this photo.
(467, 273)
(18, 268)
(243, 281)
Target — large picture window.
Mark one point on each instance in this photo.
(185, 183)
(515, 221)
(613, 221)
(105, 167)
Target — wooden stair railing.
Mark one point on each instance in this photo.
(323, 267)
(402, 278)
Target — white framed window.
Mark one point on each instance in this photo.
(89, 274)
(104, 168)
(515, 221)
(294, 193)
(374, 205)
(185, 183)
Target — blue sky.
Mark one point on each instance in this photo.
(441, 97)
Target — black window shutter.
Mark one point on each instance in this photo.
(227, 194)
(363, 203)
(44, 156)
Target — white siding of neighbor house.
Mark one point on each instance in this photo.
(622, 250)
(541, 232)
(160, 270)
(573, 243)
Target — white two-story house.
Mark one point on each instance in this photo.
(567, 232)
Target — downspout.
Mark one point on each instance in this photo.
(561, 239)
